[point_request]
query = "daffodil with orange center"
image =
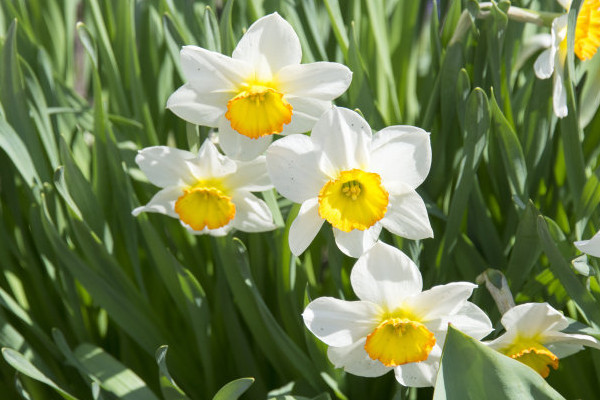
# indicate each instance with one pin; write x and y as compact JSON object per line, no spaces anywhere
{"x":587,"y":41}
{"x":357,"y":181}
{"x":208,"y":192}
{"x":261,"y":90}
{"x":395,"y":325}
{"x":534,"y":337}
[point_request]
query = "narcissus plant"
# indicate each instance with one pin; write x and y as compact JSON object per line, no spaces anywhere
{"x":356,"y":181}
{"x":533,"y":336}
{"x":395,"y":325}
{"x":261,"y":90}
{"x":208,"y":192}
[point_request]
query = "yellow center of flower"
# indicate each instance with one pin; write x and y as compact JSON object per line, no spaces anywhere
{"x":258,"y":111}
{"x":534,"y":355}
{"x":204,"y":205}
{"x":398,"y":341}
{"x":354,"y":200}
{"x":587,"y":30}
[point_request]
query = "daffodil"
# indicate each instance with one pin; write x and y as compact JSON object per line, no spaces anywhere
{"x":591,"y":246}
{"x":552,"y":60}
{"x":357,"y":181}
{"x":533,"y":336}
{"x":261,"y":90}
{"x":395,"y":325}
{"x":208,"y":192}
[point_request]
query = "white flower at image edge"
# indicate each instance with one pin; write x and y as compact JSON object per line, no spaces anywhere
{"x":395,"y":325}
{"x":551,"y":62}
{"x":591,"y":246}
{"x":533,"y":336}
{"x":208,"y":192}
{"x":261,"y":90}
{"x":357,"y":181}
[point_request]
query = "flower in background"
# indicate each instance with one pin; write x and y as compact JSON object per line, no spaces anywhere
{"x":394,"y":325}
{"x":357,"y":181}
{"x":591,"y":246}
{"x":207,"y":192}
{"x":533,"y":336}
{"x":552,"y":60}
{"x":261,"y":90}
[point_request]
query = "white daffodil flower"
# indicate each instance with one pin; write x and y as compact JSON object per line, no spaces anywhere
{"x":591,"y":246}
{"x":394,"y":325}
{"x":551,"y":61}
{"x":261,"y":90}
{"x":533,"y":336}
{"x":208,"y":192}
{"x":357,"y":181}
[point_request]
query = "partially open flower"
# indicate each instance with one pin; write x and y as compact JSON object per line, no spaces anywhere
{"x":357,"y":181}
{"x":207,"y":192}
{"x":261,"y":90}
{"x":587,"y":40}
{"x":394,"y":325}
{"x":533,"y":336}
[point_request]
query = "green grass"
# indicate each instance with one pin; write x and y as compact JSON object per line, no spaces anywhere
{"x":89,"y":294}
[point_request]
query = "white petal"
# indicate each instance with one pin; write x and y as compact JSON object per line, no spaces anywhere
{"x":166,"y":166}
{"x":292,"y":165}
{"x":305,"y":113}
{"x":211,"y":164}
{"x":269,"y":45}
{"x":338,"y":322}
{"x":544,"y":64}
{"x":356,"y":242}
{"x":201,"y":109}
{"x":163,"y":202}
{"x":559,"y":30}
{"x":401,"y":154}
{"x":503,"y":341}
{"x":250,"y":175}
{"x":440,"y":301}
{"x":566,"y":4}
{"x":559,"y":95}
{"x":470,"y":320}
{"x":223,"y":231}
{"x":238,"y":146}
{"x":564,"y":344}
{"x":345,"y":138}
{"x":533,"y":318}
{"x":320,"y":80}
{"x":420,"y":374}
{"x":591,"y":247}
{"x":251,"y":213}
{"x":355,"y":360}
{"x":209,"y":71}
{"x":305,"y":227}
{"x":385,"y":275}
{"x":406,"y":216}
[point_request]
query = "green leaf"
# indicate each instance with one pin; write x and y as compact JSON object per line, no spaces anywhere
{"x":168,"y":387}
{"x":471,"y":370}
{"x":234,"y":389}
{"x":562,"y":269}
{"x":112,"y":376}
{"x":512,"y":153}
{"x":23,"y":365}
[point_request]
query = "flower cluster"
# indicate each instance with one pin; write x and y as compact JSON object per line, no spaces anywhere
{"x":358,"y":181}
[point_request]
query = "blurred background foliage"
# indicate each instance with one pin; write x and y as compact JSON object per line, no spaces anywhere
{"x":89,"y":295}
